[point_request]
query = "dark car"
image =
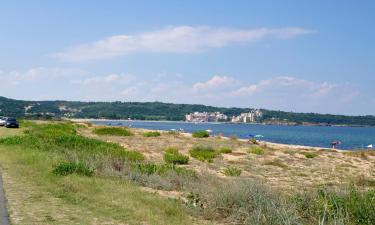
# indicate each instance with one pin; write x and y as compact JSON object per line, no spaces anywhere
{"x":11,"y":123}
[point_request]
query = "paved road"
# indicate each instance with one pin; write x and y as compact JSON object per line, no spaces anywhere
{"x":4,"y":218}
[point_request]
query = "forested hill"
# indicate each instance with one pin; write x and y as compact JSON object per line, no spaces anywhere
{"x":156,"y":111}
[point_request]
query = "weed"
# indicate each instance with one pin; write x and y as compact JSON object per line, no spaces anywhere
{"x":232,"y":171}
{"x":113,"y":131}
{"x":310,"y":155}
{"x":203,"y":153}
{"x":151,"y":134}
{"x":277,"y":163}
{"x":66,"y":168}
{"x":173,"y":156}
{"x":201,"y":134}
{"x":256,"y":150}
{"x":225,"y":150}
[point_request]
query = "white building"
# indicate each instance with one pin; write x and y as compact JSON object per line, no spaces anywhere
{"x":249,"y":117}
{"x":206,"y":117}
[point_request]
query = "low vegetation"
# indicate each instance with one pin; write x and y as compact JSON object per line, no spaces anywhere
{"x":201,"y":134}
{"x":203,"y":153}
{"x":113,"y":131}
{"x":173,"y":156}
{"x":232,"y":171}
{"x":225,"y":150}
{"x":310,"y":155}
{"x":256,"y":150}
{"x":77,"y":177}
{"x":151,"y":134}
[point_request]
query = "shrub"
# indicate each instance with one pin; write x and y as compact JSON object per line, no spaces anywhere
{"x":172,"y":156}
{"x":233,"y":137}
{"x":256,"y":150}
{"x":225,"y":150}
{"x":203,"y":153}
{"x":201,"y":134}
{"x":310,"y":155}
{"x":277,"y":163}
{"x":232,"y":171}
{"x":151,"y":134}
{"x":113,"y":131}
{"x":151,"y":168}
{"x":66,"y":168}
{"x":345,"y":207}
{"x":253,"y":141}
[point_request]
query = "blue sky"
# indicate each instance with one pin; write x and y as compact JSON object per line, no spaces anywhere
{"x":305,"y":56}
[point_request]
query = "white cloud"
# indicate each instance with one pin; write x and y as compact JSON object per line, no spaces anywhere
{"x":107,"y":79}
{"x":175,"y":39}
{"x":288,"y":84}
{"x":216,"y":82}
{"x":40,"y":73}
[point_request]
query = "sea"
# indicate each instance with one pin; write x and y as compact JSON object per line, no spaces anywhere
{"x":351,"y":138}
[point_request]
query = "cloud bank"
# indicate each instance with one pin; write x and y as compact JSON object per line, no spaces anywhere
{"x":173,"y":39}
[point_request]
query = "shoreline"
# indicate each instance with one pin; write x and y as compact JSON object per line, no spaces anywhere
{"x":268,"y":143}
{"x":255,"y":123}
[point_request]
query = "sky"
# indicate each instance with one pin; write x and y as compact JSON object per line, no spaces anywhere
{"x":301,"y":56}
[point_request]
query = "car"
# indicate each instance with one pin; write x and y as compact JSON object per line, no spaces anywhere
{"x":2,"y":120}
{"x":11,"y":123}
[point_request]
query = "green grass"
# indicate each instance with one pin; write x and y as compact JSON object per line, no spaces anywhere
{"x":113,"y":131}
{"x":277,"y":163}
{"x":203,"y":153}
{"x":151,"y":134}
{"x":225,"y":150}
{"x":201,"y":134}
{"x":232,"y":171}
{"x":310,"y":155}
{"x":67,"y":168}
{"x":256,"y":150}
{"x":36,"y":196}
{"x":173,"y":156}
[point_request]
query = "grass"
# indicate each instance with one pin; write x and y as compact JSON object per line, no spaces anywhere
{"x":30,"y":163}
{"x":173,"y":156}
{"x":113,"y":131}
{"x":109,"y":193}
{"x":151,"y":134}
{"x":36,"y":196}
{"x":225,"y":150}
{"x":257,"y":150}
{"x":203,"y":153}
{"x":310,"y":155}
{"x":232,"y":171}
{"x":277,"y":163}
{"x":201,"y":134}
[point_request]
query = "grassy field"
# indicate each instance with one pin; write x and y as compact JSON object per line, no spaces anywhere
{"x":66,"y":173}
{"x":36,"y":196}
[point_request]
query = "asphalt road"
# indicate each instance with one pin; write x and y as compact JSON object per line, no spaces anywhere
{"x":4,"y":217}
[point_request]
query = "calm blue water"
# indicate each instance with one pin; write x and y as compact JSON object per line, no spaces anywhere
{"x":351,"y":137}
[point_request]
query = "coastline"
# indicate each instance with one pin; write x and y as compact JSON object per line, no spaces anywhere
{"x":267,"y":143}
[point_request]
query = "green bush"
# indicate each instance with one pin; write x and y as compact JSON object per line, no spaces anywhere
{"x":201,"y":134}
{"x":232,"y":171}
{"x":203,"y":153}
{"x":225,"y":150}
{"x":256,"y":150}
{"x":66,"y":168}
{"x":172,"y":156}
{"x":351,"y":206}
{"x":113,"y":131}
{"x":310,"y":155}
{"x":151,"y":134}
{"x":151,"y":168}
{"x":253,"y":141}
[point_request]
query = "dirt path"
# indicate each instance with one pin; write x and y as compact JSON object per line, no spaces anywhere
{"x":4,"y":217}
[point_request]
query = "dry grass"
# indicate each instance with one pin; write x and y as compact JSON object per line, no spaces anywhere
{"x":283,"y":167}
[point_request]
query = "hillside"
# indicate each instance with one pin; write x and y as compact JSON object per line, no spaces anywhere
{"x":158,"y":111}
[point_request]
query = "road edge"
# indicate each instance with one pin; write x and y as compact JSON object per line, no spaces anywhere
{"x":4,"y":216}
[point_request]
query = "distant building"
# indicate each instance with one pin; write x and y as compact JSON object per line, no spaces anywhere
{"x":206,"y":117}
{"x":250,"y":117}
